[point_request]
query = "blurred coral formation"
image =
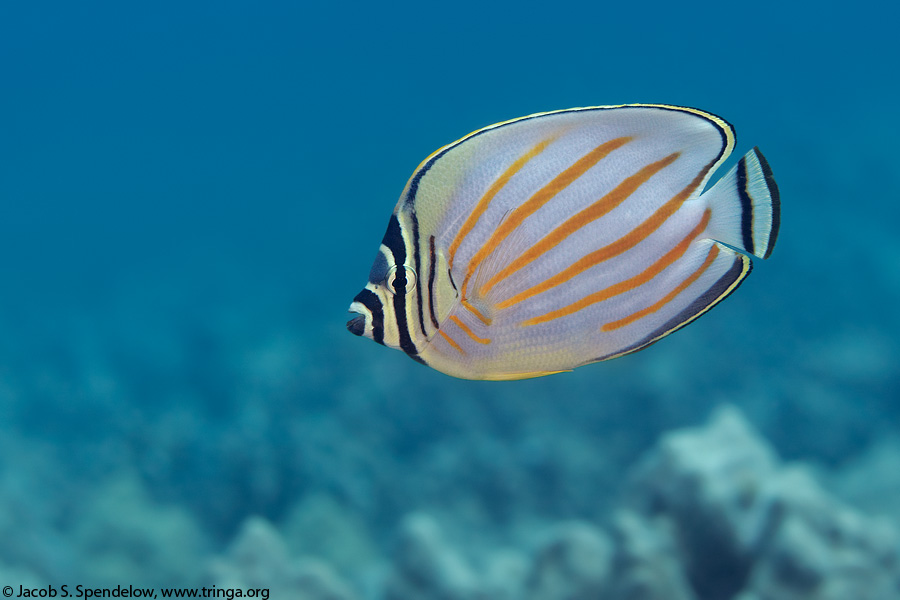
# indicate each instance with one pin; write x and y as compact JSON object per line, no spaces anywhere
{"x":707,"y":512}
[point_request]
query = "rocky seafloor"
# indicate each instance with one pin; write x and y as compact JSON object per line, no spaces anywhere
{"x":708,"y":512}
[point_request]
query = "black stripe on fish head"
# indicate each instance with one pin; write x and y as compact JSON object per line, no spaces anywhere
{"x":371,"y":324}
{"x":379,"y":271}
{"x":393,"y":240}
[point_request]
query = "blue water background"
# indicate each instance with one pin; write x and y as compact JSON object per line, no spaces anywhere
{"x":192,"y":193}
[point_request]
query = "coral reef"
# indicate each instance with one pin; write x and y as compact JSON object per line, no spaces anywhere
{"x":573,"y":561}
{"x":320,"y":526}
{"x":871,"y":480}
{"x":425,"y":567}
{"x":259,"y":559}
{"x":710,"y":513}
{"x":122,"y":535}
{"x":647,"y":563}
{"x":750,"y":527}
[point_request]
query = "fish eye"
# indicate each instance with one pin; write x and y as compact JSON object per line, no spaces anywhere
{"x":391,"y":280}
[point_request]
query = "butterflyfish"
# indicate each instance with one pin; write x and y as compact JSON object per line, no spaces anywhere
{"x":547,"y":242}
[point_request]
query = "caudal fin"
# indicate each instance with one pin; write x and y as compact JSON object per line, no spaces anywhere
{"x":746,"y":209}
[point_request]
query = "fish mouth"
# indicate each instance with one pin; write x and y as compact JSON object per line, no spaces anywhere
{"x":357,"y":325}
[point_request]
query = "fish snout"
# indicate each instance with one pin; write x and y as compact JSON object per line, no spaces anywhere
{"x":357,"y":325}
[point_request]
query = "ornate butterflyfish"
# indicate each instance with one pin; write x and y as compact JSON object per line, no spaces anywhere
{"x":540,"y":244}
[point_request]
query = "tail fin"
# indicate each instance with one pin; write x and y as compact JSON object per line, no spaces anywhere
{"x":746,"y":209}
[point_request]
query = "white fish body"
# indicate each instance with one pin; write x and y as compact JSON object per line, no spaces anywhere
{"x":544,"y":243}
